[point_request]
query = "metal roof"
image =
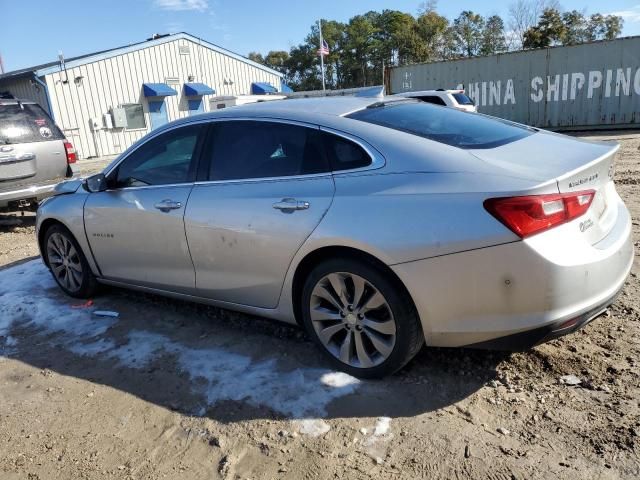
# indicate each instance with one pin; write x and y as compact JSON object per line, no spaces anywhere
{"x":52,"y":67}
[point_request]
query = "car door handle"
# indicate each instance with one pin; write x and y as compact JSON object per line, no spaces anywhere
{"x":166,"y":205}
{"x":291,"y":204}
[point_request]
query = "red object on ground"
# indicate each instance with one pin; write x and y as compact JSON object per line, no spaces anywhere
{"x":86,"y":304}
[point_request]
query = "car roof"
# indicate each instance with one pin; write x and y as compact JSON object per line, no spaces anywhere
{"x":336,"y":106}
{"x":319,"y":110}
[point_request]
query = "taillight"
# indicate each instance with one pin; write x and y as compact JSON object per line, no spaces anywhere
{"x":526,"y":216}
{"x":71,"y":152}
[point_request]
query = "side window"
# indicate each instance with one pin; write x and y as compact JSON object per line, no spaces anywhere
{"x":251,"y":149}
{"x":433,"y":99}
{"x":167,"y":159}
{"x":344,"y":154}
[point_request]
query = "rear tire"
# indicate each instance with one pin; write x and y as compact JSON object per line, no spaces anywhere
{"x":360,"y":317}
{"x":67,"y":263}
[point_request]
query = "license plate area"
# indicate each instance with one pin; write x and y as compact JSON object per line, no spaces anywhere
{"x":12,"y":169}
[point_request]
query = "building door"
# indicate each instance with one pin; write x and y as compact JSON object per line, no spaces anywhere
{"x":158,"y":112}
{"x":196,"y":106}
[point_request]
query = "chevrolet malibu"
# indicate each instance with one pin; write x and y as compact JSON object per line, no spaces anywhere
{"x":378,"y":225}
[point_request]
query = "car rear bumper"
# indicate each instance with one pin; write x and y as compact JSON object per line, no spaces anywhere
{"x":519,"y":294}
{"x":522,"y":341}
{"x":36,"y":192}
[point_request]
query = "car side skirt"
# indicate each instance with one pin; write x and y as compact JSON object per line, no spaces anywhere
{"x":274,"y":314}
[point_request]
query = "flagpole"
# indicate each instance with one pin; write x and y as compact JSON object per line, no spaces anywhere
{"x":321,"y":55}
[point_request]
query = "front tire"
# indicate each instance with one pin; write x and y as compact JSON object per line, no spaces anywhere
{"x":67,"y":263}
{"x":360,"y":317}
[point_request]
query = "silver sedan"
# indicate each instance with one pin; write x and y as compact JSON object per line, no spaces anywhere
{"x":377,"y":225}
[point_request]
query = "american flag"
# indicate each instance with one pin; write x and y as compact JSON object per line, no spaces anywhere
{"x":324,"y":48}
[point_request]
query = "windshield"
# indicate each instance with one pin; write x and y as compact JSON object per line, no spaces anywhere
{"x":26,"y":123}
{"x":449,"y":126}
{"x":462,"y":99}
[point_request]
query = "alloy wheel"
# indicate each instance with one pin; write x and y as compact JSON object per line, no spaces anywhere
{"x":64,"y":262}
{"x":352,"y":319}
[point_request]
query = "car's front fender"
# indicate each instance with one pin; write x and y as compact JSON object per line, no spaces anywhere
{"x":68,"y":210}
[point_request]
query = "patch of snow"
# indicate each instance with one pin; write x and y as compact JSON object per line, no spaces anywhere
{"x":5,"y":323}
{"x":91,"y":348}
{"x":338,"y":379}
{"x":29,"y":297}
{"x":143,"y":347}
{"x":10,"y":341}
{"x":313,"y":427}
{"x":24,"y":298}
{"x":380,"y":432}
{"x":383,"y":424}
{"x":571,"y":380}
{"x":224,"y":375}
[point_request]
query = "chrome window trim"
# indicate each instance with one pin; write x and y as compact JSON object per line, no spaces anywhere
{"x":377,"y":160}
{"x":148,"y":187}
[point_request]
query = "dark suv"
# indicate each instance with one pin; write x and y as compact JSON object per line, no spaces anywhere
{"x":34,"y":154}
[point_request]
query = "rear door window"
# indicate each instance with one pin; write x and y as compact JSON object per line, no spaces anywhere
{"x":444,"y":125}
{"x":26,"y":123}
{"x":254,"y":149}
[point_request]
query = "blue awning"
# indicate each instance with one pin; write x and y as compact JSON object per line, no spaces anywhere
{"x":286,"y":88}
{"x":158,"y":90}
{"x":197,"y":89}
{"x":262,"y":88}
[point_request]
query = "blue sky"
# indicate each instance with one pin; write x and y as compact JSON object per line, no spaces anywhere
{"x":81,"y":26}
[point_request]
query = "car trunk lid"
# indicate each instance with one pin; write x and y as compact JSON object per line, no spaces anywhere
{"x":574,"y":165}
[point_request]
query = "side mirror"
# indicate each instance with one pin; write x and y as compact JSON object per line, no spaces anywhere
{"x":96,"y":183}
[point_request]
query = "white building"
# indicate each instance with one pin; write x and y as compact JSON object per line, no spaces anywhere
{"x":105,"y":101}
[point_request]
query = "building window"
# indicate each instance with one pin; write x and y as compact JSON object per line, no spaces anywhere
{"x":135,"y":116}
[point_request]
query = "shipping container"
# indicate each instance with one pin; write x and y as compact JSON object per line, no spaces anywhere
{"x":593,"y":85}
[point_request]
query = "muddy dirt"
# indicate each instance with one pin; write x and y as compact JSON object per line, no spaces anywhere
{"x":175,"y":390}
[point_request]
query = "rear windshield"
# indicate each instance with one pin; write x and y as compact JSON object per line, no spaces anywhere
{"x":26,"y":123}
{"x":462,"y":99}
{"x":444,"y":125}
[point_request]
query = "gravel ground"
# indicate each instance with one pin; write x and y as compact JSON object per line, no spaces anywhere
{"x":174,"y":390}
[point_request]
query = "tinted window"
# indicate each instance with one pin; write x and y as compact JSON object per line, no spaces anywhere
{"x":245,"y":149}
{"x":344,"y":154}
{"x":433,"y":99}
{"x":166,"y":159}
{"x":25,"y":123}
{"x":444,"y":125}
{"x":462,"y":99}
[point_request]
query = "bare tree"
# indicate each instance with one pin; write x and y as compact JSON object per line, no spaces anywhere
{"x":524,"y":14}
{"x":427,"y":6}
